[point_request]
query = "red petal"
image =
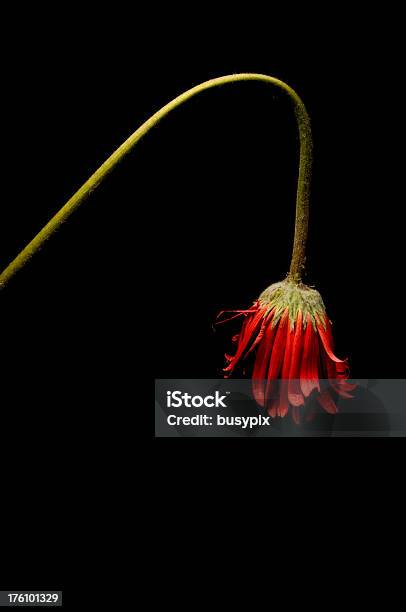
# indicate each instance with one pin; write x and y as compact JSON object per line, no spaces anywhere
{"x":248,"y":330}
{"x":326,"y":338}
{"x":337,"y":369}
{"x":288,"y":351}
{"x":264,"y":325}
{"x":253,"y":308}
{"x":309,"y":373}
{"x":335,"y":385}
{"x":287,"y":360}
{"x":343,"y":385}
{"x":296,"y":414}
{"x":278,"y":352}
{"x":229,"y":318}
{"x":294,"y":393}
{"x":311,"y":413}
{"x":326,"y":401}
{"x":272,"y":409}
{"x":261,"y":364}
{"x":329,"y":331}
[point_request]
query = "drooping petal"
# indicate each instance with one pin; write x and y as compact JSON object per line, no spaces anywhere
{"x":277,"y":354}
{"x":337,"y":369}
{"x":294,"y":392}
{"x":267,"y":317}
{"x":338,"y":389}
{"x":329,"y":367}
{"x":309,"y":373}
{"x":329,"y":331}
{"x":261,"y":364}
{"x":326,"y":401}
{"x":287,"y":360}
{"x":273,"y":408}
{"x":316,"y":371}
{"x":245,"y":312}
{"x":337,"y":379}
{"x":326,"y":338}
{"x":344,"y":385}
{"x":306,"y":351}
{"x":249,"y":328}
{"x":310,"y":414}
{"x":235,"y":316}
{"x":296,"y":414}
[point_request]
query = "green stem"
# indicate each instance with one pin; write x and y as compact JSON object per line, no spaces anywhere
{"x":302,"y":200}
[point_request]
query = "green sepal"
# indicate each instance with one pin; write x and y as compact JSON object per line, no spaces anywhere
{"x":295,"y":297}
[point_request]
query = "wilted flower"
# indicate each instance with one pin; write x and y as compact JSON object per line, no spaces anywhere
{"x":289,"y":334}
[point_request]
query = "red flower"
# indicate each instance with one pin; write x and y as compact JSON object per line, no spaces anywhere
{"x":289,"y":334}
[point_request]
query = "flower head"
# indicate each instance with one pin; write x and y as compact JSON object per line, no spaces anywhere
{"x":289,"y":336}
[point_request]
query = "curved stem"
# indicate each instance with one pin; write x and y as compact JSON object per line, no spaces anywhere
{"x":303,"y":187}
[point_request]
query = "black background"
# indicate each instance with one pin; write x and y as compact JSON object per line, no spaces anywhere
{"x":199,"y":218}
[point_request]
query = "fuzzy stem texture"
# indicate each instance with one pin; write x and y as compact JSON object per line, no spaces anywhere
{"x":303,"y":187}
